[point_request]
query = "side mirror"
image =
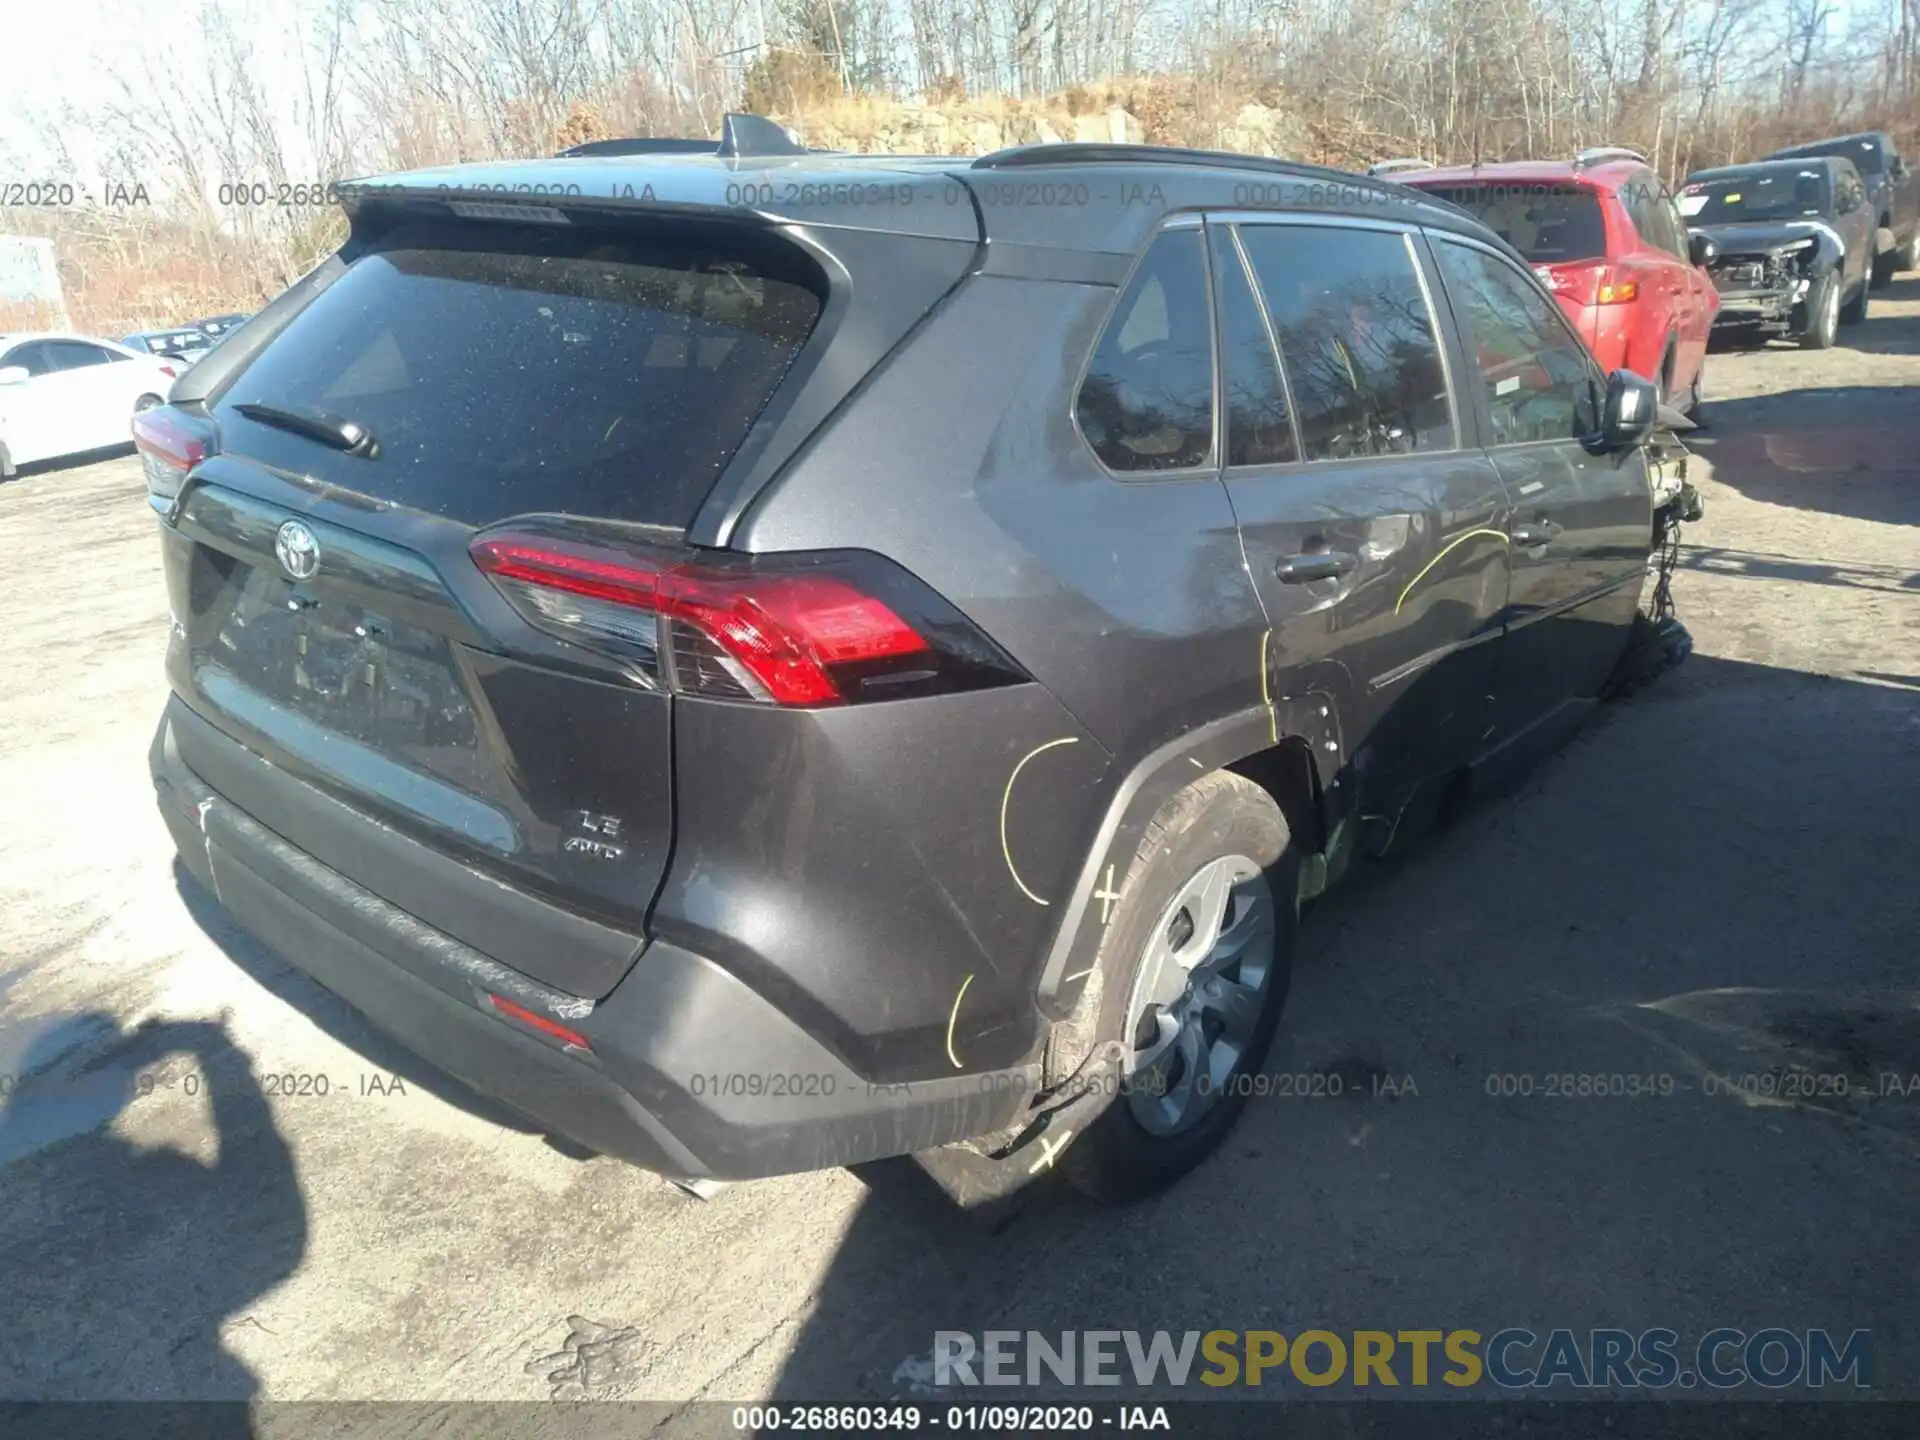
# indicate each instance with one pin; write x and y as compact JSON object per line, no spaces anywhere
{"x":1631,"y":409}
{"x":14,"y":375}
{"x":1701,"y":249}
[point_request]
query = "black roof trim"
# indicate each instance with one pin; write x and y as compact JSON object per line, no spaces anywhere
{"x":1069,"y":152}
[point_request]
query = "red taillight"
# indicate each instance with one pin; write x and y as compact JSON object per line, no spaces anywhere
{"x":170,"y":372}
{"x":168,"y":435}
{"x":170,"y":445}
{"x":540,"y":1022}
{"x":782,"y":638}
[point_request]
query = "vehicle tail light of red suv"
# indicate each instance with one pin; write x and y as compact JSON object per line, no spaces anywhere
{"x":1590,"y":282}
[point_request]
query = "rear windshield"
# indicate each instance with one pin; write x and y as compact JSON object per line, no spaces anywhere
{"x":506,"y":369}
{"x":1867,"y":156}
{"x":1549,"y":224}
{"x":1779,"y":193}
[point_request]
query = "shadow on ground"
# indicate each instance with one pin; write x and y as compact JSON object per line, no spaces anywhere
{"x":1844,"y":450}
{"x":183,"y":1237}
{"x":1706,"y":903}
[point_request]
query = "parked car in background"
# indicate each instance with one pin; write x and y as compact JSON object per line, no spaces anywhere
{"x":185,"y":344}
{"x":1893,"y":195}
{"x":787,"y":719}
{"x":1602,"y":232}
{"x":66,"y":394}
{"x":1794,"y":242}
{"x":219,"y":325}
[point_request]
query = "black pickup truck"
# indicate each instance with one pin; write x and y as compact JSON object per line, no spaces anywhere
{"x":1893,"y":190}
{"x":1792,"y":245}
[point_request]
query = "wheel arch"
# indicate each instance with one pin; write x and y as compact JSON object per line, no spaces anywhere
{"x":1291,"y":751}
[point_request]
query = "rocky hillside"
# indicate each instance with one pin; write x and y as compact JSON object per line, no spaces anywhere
{"x":993,"y":123}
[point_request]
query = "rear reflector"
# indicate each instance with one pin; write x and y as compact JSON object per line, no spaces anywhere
{"x":540,"y":1022}
{"x":794,"y":630}
{"x":170,"y":444}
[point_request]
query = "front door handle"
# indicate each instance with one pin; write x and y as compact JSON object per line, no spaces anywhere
{"x":1541,"y":532}
{"x":1314,"y":565}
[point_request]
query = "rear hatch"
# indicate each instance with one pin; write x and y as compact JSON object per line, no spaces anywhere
{"x":1557,"y":226}
{"x":332,"y":619}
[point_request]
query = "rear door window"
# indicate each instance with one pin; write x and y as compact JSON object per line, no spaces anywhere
{"x":503,"y":370}
{"x":1549,"y":224}
{"x":1147,"y":401}
{"x":1259,"y":427}
{"x":1357,"y":339}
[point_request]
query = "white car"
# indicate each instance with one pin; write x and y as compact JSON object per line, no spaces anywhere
{"x":67,"y":394}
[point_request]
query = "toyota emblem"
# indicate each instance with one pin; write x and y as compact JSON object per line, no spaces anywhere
{"x":298,"y":549}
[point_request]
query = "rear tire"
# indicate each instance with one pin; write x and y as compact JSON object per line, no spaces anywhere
{"x":1885,"y":265}
{"x":1194,"y":970}
{"x":1908,"y":255}
{"x":1822,"y":314}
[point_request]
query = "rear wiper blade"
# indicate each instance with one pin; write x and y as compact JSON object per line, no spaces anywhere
{"x":316,"y":424}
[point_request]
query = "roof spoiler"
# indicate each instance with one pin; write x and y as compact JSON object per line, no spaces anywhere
{"x":1399,"y":167}
{"x":742,"y":137}
{"x":1596,"y":154}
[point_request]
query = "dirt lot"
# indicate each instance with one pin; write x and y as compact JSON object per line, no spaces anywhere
{"x":1720,"y":876}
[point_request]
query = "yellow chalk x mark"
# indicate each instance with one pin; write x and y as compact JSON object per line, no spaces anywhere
{"x":1106,"y":896}
{"x":951,"y":1019}
{"x":1006,"y":796}
{"x":1049,"y":1149}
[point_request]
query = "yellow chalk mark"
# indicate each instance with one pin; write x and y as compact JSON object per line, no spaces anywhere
{"x":1266,"y":694}
{"x":1445,"y":551}
{"x":1006,"y":795}
{"x":1049,"y":1149}
{"x":951,"y":1019}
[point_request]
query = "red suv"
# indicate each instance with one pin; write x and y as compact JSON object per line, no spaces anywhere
{"x":1603,"y":233}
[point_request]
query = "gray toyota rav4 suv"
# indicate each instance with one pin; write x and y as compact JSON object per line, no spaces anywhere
{"x":765,"y":660}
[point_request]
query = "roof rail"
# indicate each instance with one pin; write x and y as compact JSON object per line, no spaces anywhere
{"x":742,"y":137}
{"x":1594,"y":155}
{"x":1073,"y":152}
{"x":1397,"y":167}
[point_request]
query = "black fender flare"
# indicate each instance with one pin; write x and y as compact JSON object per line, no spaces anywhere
{"x":1159,"y":776}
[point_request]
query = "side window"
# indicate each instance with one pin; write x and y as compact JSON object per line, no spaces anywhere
{"x":1536,"y":376}
{"x":72,"y":355}
{"x":1356,"y":338}
{"x":32,"y":357}
{"x":1147,"y":401}
{"x":1259,"y":429}
{"x":1663,"y":231}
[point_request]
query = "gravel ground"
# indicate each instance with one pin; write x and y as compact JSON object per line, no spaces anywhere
{"x":1719,"y":876}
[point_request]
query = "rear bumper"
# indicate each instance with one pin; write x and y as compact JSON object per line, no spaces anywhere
{"x":692,"y":1073}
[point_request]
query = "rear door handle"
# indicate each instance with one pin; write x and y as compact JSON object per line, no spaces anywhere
{"x":1541,"y":532}
{"x":1314,"y":565}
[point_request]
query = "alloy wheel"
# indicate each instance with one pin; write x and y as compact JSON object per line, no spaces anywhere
{"x":1198,"y":995}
